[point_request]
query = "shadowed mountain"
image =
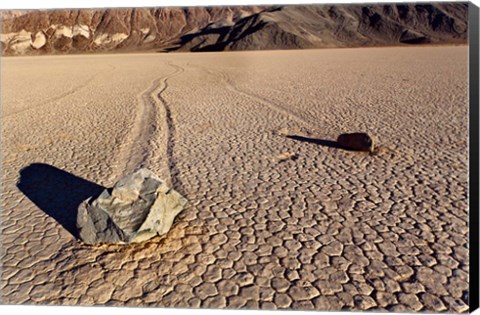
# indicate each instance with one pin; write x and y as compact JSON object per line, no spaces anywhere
{"x":323,"y":26}
{"x":232,"y":28}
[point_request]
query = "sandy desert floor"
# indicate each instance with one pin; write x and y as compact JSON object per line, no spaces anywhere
{"x":329,"y":230}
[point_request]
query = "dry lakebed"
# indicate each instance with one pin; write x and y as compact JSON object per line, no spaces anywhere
{"x":277,"y":215}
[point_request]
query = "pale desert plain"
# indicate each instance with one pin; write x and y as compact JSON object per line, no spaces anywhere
{"x":272,"y":222}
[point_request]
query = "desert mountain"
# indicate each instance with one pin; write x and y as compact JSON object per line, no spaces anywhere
{"x":231,"y":28}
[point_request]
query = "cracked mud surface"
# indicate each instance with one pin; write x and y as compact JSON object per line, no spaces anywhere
{"x":326,"y":230}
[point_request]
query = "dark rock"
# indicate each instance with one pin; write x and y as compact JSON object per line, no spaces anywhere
{"x":139,"y":207}
{"x":356,"y":141}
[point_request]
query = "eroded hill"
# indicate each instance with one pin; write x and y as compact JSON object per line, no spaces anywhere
{"x":231,"y":28}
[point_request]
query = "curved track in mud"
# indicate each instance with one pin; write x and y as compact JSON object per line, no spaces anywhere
{"x":150,"y":136}
{"x":65,"y":94}
{"x":271,"y":105}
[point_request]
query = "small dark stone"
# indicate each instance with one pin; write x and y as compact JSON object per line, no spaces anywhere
{"x":358,"y":141}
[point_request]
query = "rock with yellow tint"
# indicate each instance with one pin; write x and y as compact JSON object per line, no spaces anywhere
{"x":139,"y":207}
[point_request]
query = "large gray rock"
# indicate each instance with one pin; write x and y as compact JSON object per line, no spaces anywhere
{"x":358,"y":141}
{"x":139,"y":207}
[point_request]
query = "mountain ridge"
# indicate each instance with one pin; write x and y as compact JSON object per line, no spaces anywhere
{"x":230,"y":28}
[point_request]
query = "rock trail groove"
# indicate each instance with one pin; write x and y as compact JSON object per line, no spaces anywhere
{"x":151,"y":136}
{"x":272,"y":105}
{"x":65,"y":94}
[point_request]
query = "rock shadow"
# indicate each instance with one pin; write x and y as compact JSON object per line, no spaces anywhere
{"x":58,"y":193}
{"x":322,"y":142}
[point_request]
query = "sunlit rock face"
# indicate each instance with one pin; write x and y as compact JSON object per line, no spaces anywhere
{"x":139,"y":207}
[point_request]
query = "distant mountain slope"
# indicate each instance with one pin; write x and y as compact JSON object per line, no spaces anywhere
{"x":231,"y":28}
{"x":97,"y":30}
{"x":317,"y":26}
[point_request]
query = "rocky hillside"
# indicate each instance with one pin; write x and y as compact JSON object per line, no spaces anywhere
{"x":231,"y":28}
{"x":95,"y":30}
